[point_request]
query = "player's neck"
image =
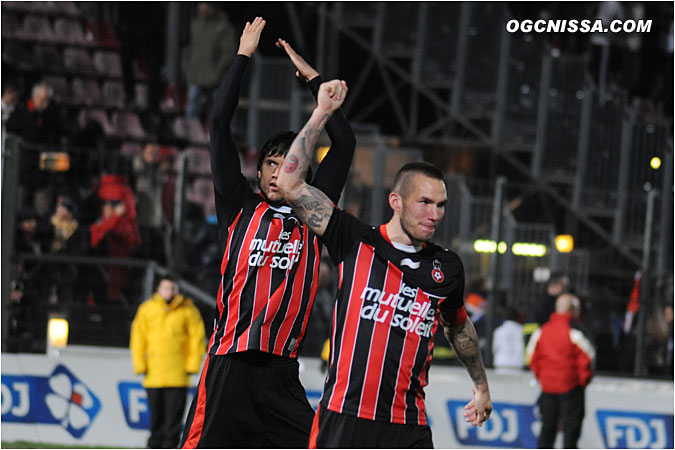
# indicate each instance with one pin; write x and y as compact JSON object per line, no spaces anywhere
{"x":397,"y":234}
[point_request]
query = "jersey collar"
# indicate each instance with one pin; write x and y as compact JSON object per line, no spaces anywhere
{"x":402,"y":247}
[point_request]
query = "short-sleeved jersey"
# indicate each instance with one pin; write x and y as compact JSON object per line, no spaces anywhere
{"x":386,"y":313}
{"x":269,"y":280}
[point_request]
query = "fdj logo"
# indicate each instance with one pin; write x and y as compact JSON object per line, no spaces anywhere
{"x":134,"y":400}
{"x":509,"y":425}
{"x":621,"y":429}
{"x":60,"y":398}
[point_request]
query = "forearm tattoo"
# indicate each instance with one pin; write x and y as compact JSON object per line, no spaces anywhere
{"x":300,"y":158}
{"x":313,"y":207}
{"x":465,"y":342}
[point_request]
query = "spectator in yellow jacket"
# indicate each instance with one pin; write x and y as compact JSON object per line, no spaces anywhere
{"x":167,"y":345}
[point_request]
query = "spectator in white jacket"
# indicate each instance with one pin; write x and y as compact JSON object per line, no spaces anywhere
{"x":508,"y":345}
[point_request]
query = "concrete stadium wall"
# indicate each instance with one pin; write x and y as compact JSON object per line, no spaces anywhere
{"x":89,"y":396}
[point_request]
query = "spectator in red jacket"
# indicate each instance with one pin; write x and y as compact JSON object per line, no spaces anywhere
{"x":562,"y":359}
{"x":117,"y":227}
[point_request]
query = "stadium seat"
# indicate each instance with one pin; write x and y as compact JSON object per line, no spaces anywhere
{"x":61,"y":89}
{"x":86,"y":91}
{"x":69,"y":31}
{"x":98,"y":32}
{"x":108,"y":63}
{"x":66,"y":8}
{"x":38,"y":28}
{"x":10,"y":26}
{"x":113,"y":94}
{"x":129,"y":125}
{"x":199,"y":160}
{"x":18,"y":55}
{"x":179,"y":128}
{"x":131,"y":148}
{"x":77,"y":60}
{"x":141,"y":95}
{"x":48,"y":57}
{"x":195,"y":131}
{"x":201,"y":191}
{"x":102,"y":117}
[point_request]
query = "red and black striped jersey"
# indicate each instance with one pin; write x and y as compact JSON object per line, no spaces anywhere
{"x":270,"y":259}
{"x":387,"y":310}
{"x":269,"y":277}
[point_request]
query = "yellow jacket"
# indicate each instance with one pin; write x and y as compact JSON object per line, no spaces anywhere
{"x":167,"y":341}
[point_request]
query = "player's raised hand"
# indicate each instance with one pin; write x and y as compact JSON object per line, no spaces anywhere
{"x":248,"y":42}
{"x":331,"y":95}
{"x":304,"y":70}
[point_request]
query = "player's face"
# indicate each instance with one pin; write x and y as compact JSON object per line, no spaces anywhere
{"x":267,"y":175}
{"x":423,"y":208}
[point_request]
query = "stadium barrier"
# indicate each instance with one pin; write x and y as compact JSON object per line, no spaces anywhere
{"x":89,"y":396}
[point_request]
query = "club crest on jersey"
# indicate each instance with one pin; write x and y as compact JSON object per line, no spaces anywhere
{"x":437,"y":273}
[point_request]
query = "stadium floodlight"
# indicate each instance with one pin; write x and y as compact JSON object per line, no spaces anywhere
{"x":57,"y":335}
{"x":528,"y":249}
{"x":489,"y":246}
{"x":564,"y":243}
{"x":484,"y":246}
{"x":655,"y":163}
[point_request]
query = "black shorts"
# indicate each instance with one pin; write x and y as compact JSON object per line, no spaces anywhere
{"x":248,"y":400}
{"x":335,"y":430}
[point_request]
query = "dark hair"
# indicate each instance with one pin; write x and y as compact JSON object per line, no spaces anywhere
{"x":71,"y":206}
{"x":27,"y":213}
{"x":278,"y":145}
{"x":169,"y":277}
{"x":411,"y":168}
{"x":11,"y":85}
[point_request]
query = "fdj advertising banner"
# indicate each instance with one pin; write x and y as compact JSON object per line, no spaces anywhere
{"x":134,"y":402}
{"x":93,"y":398}
{"x":60,"y":398}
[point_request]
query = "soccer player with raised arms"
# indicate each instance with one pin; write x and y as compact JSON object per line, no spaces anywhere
{"x":395,"y":288}
{"x":249,"y":392}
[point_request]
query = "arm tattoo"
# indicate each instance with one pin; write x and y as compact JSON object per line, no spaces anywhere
{"x":313,"y":207}
{"x":291,"y":164}
{"x":465,"y":342}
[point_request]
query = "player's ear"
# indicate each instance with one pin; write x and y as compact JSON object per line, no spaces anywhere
{"x":259,"y":175}
{"x":395,"y":201}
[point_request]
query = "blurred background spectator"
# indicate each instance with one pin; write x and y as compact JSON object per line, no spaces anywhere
{"x":115,"y":234}
{"x":508,"y":344}
{"x":207,"y":55}
{"x":148,"y":185}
